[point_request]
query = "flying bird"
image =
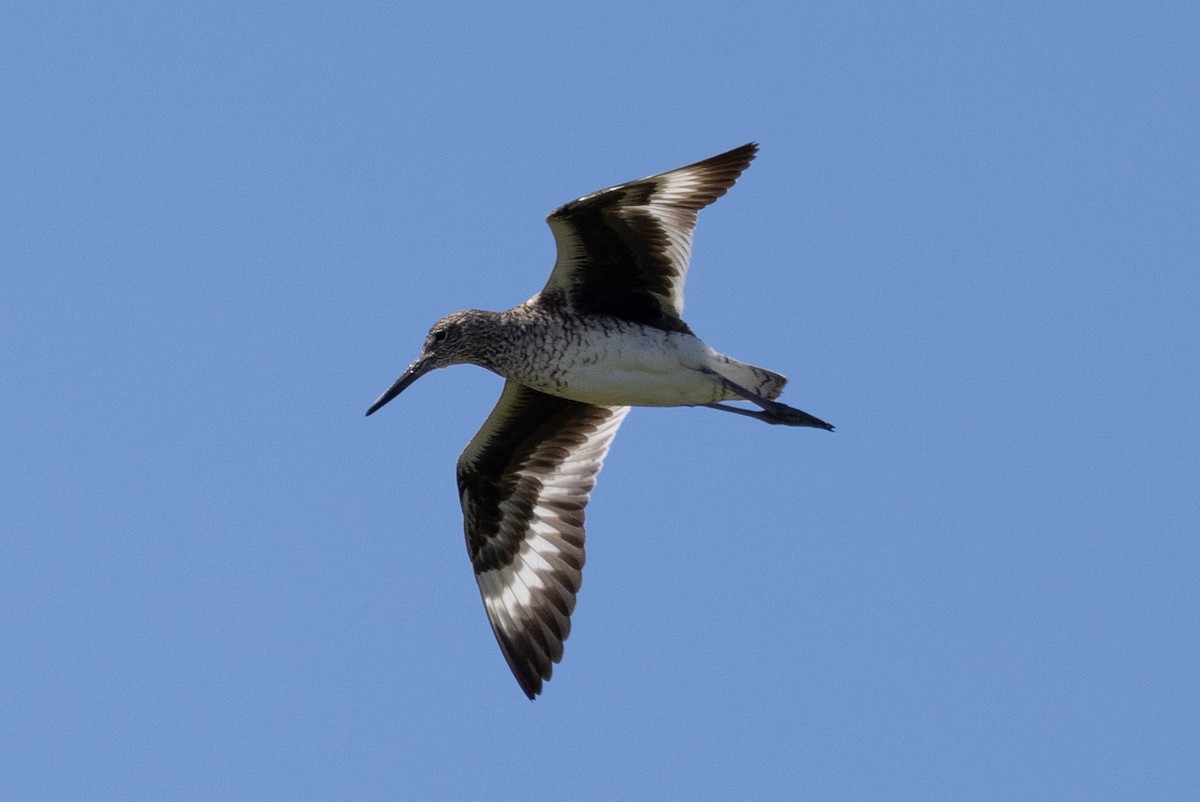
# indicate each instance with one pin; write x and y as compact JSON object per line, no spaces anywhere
{"x":605,"y":334}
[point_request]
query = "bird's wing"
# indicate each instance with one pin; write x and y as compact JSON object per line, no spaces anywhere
{"x":524,"y":481}
{"x":624,"y":251}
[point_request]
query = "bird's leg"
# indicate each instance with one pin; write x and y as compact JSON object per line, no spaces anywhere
{"x":772,"y":411}
{"x":779,"y":414}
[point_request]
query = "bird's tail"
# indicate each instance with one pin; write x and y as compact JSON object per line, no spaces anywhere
{"x":760,"y":381}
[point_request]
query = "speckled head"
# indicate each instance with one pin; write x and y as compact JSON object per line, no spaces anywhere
{"x":458,"y":338}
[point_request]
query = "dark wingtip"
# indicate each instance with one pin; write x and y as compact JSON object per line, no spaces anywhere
{"x":531,"y":687}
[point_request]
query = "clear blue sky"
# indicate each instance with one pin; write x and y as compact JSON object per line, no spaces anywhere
{"x":971,"y":240}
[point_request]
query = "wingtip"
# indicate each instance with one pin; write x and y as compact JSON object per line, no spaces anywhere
{"x":530,"y":686}
{"x":747,"y":151}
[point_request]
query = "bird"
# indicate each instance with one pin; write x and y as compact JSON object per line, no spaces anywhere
{"x":604,"y":334}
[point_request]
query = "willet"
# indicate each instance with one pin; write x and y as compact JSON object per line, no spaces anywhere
{"x":604,"y":334}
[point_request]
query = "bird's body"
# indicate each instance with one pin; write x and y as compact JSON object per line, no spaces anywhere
{"x":604,"y":360}
{"x":604,"y":334}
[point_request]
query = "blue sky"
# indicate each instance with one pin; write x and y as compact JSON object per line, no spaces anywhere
{"x":970,"y":239}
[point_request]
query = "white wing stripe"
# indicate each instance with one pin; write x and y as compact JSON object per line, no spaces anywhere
{"x":529,"y":599}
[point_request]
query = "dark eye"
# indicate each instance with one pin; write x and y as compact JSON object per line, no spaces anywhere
{"x":439,"y":335}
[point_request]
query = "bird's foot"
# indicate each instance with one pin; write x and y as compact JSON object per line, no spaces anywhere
{"x":776,"y":414}
{"x":771,"y":412}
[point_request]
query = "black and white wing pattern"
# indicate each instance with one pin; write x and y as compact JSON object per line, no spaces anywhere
{"x":624,"y":251}
{"x":524,"y":480}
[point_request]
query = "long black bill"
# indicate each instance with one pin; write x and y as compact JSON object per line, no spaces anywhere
{"x":415,"y":371}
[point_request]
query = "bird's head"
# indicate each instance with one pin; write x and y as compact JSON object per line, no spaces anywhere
{"x":456,"y":339}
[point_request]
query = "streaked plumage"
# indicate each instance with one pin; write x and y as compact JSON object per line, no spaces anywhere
{"x":604,"y":334}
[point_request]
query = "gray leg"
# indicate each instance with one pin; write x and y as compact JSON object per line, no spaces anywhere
{"x":772,"y":411}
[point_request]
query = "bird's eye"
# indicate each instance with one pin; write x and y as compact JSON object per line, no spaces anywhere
{"x":439,"y":335}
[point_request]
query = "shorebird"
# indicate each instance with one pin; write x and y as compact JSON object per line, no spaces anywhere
{"x":605,"y":334}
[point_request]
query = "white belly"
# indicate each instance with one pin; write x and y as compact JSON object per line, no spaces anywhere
{"x":641,"y":367}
